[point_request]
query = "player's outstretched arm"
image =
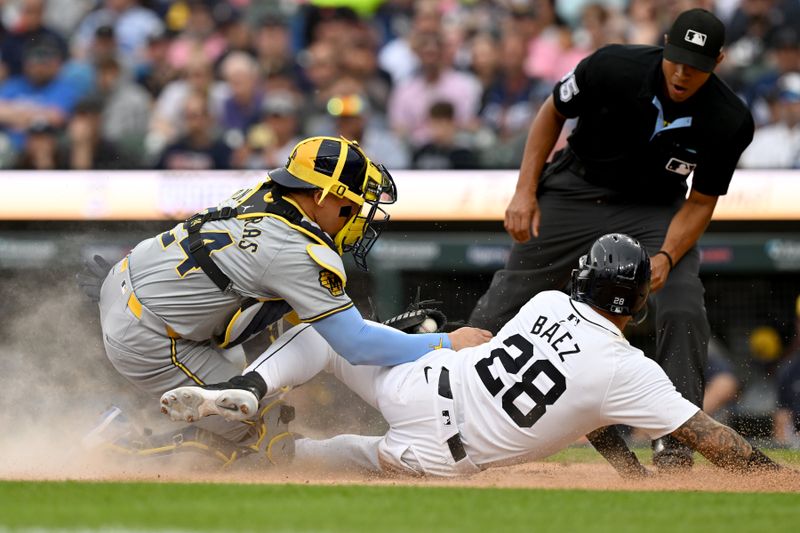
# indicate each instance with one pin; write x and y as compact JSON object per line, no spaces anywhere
{"x":722,"y":446}
{"x":610,"y":444}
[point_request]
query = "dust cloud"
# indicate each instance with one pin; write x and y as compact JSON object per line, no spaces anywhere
{"x":55,"y":382}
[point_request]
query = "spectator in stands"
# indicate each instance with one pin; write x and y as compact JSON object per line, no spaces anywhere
{"x":484,"y":58}
{"x":234,"y":29}
{"x":553,"y":51}
{"x":28,"y":28}
{"x":40,"y":94}
{"x":126,"y":106}
{"x":782,"y":57}
{"x":40,"y":151}
{"x":166,"y":122}
{"x":321,"y":69}
{"x":445,"y":150}
{"x":755,"y":409}
{"x":777,"y":145}
{"x":241,"y":109}
{"x":722,"y":385}
{"x":86,"y":146}
{"x":352,"y":119}
{"x":200,"y":148}
{"x":512,"y":98}
{"x":436,"y":81}
{"x":270,"y":142}
{"x":787,"y":416}
{"x":360,"y":60}
{"x":154,"y":72}
{"x":63,"y":16}
{"x":397,"y":57}
{"x":273,"y":47}
{"x":328,"y":23}
{"x":132,"y":25}
{"x":643,"y":26}
{"x":199,"y":36}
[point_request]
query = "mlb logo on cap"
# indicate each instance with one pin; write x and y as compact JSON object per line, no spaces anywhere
{"x":695,"y":37}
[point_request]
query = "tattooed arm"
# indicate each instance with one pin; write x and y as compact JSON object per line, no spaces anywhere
{"x":721,"y":445}
{"x":609,"y":443}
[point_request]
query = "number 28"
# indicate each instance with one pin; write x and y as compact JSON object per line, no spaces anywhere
{"x":513,"y":365}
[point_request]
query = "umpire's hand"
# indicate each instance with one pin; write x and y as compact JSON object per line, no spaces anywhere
{"x":659,"y":270}
{"x":522,"y":216}
{"x":468,"y":336}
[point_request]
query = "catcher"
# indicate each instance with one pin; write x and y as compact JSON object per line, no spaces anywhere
{"x":559,"y":369}
{"x":273,"y":251}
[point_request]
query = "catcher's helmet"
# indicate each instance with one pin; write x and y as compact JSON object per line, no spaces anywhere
{"x":341,"y":168}
{"x":613,"y":276}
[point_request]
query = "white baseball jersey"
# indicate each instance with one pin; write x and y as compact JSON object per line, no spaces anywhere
{"x":555,"y":372}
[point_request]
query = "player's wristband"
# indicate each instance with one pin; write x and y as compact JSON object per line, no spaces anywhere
{"x":669,"y":258}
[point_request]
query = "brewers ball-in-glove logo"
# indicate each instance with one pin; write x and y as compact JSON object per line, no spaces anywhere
{"x":332,"y":282}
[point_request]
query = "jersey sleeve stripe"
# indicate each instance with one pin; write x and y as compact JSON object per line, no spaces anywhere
{"x":320,"y":316}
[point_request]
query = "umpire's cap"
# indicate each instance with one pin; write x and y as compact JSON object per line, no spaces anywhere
{"x":695,"y":39}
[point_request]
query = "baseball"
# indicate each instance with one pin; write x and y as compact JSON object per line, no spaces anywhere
{"x":428,"y":325}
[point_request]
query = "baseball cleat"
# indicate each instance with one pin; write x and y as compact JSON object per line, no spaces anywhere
{"x":190,"y":404}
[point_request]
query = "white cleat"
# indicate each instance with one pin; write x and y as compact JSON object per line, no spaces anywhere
{"x":190,"y":404}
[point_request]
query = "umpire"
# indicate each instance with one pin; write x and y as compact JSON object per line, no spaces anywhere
{"x":648,"y":117}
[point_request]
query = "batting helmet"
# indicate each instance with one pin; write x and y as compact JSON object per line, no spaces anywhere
{"x":341,"y":168}
{"x":613,"y":276}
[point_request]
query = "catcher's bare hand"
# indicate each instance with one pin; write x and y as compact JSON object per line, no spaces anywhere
{"x":522,"y":217}
{"x":468,"y":336}
{"x":659,"y":270}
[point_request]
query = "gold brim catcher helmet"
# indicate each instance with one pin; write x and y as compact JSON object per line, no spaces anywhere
{"x":340,"y":167}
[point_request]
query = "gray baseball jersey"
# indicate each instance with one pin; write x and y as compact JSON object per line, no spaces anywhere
{"x":267,"y":258}
{"x":165,"y":321}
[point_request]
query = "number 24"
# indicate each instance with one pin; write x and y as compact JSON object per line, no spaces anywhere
{"x":214,"y":241}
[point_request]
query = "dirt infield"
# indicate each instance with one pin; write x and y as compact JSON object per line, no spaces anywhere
{"x":545,"y":475}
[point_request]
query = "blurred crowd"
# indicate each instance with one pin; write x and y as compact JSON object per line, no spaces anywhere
{"x":756,"y":388}
{"x":426,"y":84}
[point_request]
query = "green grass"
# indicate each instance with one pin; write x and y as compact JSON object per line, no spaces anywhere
{"x":382,"y":509}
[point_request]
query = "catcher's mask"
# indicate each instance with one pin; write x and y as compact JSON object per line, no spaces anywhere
{"x":341,"y":168}
{"x":613,"y":276}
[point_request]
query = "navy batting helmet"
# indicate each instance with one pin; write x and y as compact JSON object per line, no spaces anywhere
{"x":613,"y":276}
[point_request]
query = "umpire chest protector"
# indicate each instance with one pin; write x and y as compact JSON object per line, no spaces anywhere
{"x":632,"y":138}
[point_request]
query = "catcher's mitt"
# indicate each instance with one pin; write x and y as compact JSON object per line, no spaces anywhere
{"x":420,"y":317}
{"x":422,"y":320}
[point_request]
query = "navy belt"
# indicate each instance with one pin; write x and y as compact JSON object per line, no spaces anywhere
{"x":454,"y":442}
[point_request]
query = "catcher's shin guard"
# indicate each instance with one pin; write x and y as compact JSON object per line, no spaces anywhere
{"x":275,"y":442}
{"x":119,"y":438}
{"x":193,"y":439}
{"x":188,"y":440}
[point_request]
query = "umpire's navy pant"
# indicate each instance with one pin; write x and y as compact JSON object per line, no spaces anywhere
{"x":574,"y":213}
